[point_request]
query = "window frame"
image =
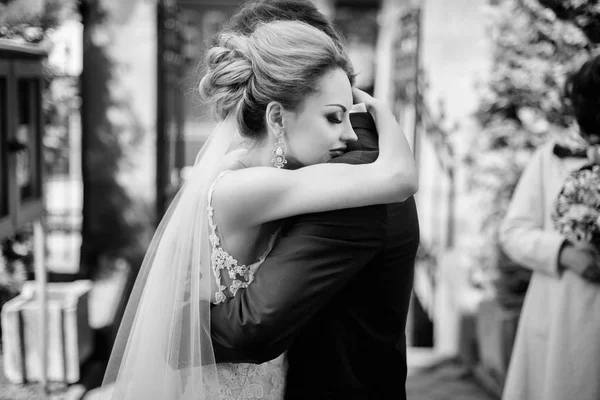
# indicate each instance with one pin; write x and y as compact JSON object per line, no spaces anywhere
{"x":30,"y":209}
{"x":21,"y":61}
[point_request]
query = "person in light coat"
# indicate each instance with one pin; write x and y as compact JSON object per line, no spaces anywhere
{"x":556,"y":355}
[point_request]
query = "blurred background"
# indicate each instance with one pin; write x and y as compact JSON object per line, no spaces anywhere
{"x":99,"y":122}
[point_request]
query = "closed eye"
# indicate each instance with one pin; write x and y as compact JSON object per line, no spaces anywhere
{"x":333,"y":118}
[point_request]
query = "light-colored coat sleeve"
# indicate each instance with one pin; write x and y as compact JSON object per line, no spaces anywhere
{"x":524,"y":234}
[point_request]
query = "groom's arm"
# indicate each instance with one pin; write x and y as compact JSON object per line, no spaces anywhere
{"x":312,"y":261}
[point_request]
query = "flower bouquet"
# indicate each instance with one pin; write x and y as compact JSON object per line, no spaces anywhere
{"x":577,"y":209}
{"x":572,"y":301}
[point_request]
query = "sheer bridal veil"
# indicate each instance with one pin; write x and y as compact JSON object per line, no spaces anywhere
{"x":163,"y":349}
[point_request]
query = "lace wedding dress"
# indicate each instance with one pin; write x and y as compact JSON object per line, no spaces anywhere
{"x":242,"y":381}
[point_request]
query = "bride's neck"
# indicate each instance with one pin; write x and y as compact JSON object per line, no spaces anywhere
{"x":257,"y":153}
{"x":260,"y":154}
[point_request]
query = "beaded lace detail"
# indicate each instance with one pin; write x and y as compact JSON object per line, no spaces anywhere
{"x":240,"y":275}
{"x":242,"y":381}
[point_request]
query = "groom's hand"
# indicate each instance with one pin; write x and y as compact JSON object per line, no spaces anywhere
{"x":362,"y":97}
{"x":377,"y":108}
{"x":358,"y":108}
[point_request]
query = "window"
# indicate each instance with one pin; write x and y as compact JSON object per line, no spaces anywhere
{"x":27,"y":131}
{"x":21,"y":77}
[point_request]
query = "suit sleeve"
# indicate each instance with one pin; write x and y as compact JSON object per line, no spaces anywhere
{"x":315,"y":257}
{"x":522,"y":233}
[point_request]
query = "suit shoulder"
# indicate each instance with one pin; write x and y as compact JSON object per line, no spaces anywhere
{"x":371,"y":220}
{"x":356,"y":157}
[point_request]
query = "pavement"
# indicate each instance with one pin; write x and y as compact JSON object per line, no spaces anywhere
{"x":30,"y":391}
{"x":432,"y":376}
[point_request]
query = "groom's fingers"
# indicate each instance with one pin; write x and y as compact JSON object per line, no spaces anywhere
{"x":357,"y":108}
{"x":361,"y":97}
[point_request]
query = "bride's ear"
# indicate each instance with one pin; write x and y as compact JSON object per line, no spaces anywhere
{"x":274,"y":115}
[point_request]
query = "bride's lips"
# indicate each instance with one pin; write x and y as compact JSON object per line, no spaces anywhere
{"x":337,"y":152}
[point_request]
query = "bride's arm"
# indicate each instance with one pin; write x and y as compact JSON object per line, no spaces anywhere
{"x":270,"y":194}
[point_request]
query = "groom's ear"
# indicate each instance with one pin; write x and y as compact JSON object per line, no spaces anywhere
{"x":274,"y":116}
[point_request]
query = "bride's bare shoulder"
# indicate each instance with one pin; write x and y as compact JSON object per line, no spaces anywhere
{"x":232,"y":161}
{"x":226,"y":200}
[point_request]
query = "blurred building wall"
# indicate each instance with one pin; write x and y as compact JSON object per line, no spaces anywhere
{"x":202,"y":19}
{"x":131,"y":103}
{"x":435,"y":108}
{"x":134,"y":49}
{"x":455,"y":56}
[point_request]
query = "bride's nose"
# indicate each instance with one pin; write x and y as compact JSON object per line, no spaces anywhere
{"x":349,"y":135}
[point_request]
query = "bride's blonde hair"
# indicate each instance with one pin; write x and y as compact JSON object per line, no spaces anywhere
{"x":281,"y":61}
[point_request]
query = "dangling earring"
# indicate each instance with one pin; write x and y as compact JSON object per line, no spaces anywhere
{"x":279,"y":152}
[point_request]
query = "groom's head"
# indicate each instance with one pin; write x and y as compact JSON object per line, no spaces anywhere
{"x":255,"y":12}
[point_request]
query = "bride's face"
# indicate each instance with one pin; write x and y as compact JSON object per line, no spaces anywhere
{"x":321,"y":128}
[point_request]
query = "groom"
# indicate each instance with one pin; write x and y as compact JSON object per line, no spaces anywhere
{"x":334,"y":291}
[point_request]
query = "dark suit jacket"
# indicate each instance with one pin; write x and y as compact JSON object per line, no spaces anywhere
{"x":334,"y":292}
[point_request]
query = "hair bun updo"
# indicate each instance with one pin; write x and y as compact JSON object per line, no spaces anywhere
{"x":280,"y":61}
{"x":228,"y":70}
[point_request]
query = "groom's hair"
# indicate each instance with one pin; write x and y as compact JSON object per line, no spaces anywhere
{"x":257,"y":12}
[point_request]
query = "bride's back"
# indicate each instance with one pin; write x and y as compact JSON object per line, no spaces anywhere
{"x":247,"y":245}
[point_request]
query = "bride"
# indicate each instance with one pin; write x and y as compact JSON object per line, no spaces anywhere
{"x":283,"y":97}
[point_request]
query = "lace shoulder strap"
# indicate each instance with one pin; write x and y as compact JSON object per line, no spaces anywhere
{"x":211,"y":222}
{"x":221,"y":259}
